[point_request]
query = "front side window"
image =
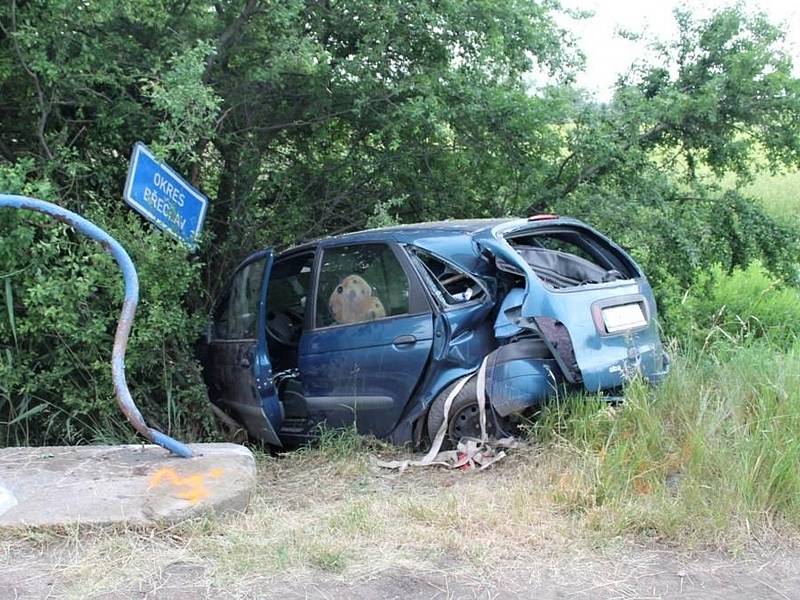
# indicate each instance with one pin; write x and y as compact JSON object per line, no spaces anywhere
{"x":288,"y":289}
{"x":289,"y":285}
{"x":360,"y":283}
{"x":238,"y":316}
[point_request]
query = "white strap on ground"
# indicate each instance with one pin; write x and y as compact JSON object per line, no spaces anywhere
{"x":470,"y":452}
{"x":481,"y":393}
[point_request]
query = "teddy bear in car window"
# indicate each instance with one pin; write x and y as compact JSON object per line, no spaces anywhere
{"x":354,"y":301}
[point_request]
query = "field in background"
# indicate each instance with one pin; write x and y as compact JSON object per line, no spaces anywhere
{"x":779,"y":192}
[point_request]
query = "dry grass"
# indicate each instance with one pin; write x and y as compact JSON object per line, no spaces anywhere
{"x":706,"y":461}
{"x":343,"y":516}
{"x":328,"y":514}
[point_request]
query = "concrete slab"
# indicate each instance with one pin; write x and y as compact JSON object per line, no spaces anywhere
{"x":134,"y":485}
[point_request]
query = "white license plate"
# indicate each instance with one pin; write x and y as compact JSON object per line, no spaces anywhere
{"x":623,"y":317}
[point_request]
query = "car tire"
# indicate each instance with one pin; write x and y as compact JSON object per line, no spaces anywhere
{"x":464,"y":415}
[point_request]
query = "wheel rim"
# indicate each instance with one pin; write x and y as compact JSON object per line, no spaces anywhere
{"x":467,"y":423}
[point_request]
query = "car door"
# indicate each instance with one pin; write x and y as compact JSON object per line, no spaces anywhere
{"x":241,"y":370}
{"x":370,"y":337}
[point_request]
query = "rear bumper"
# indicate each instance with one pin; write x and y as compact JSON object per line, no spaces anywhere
{"x":659,"y":376}
{"x":522,"y":384}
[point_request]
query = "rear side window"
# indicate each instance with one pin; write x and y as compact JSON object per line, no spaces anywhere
{"x":238,"y":316}
{"x":448,"y":283}
{"x":360,"y":283}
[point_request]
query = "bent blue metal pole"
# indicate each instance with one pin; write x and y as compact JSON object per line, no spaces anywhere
{"x":125,"y":323}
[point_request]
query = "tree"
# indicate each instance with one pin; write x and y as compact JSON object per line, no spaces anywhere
{"x":339,"y":113}
{"x":298,"y":118}
{"x":721,"y":98}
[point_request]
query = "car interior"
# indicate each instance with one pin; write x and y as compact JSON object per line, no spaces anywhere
{"x":446,"y":282}
{"x":287,"y":294}
{"x":565,"y":258}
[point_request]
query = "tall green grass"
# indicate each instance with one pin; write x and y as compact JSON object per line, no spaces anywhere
{"x":722,"y":311}
{"x":712,"y":453}
{"x":780,"y":193}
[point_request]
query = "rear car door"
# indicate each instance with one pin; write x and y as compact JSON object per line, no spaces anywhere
{"x":370,"y":340}
{"x":240,"y":370}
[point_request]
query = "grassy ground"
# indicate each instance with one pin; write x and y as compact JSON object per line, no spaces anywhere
{"x":780,"y":193}
{"x":706,"y":462}
{"x":708,"y":458}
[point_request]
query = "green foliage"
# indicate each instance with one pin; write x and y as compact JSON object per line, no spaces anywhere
{"x":190,"y":106}
{"x":739,"y":307}
{"x":62,"y":301}
{"x":298,"y":118}
{"x":712,"y":453}
{"x":301,"y":119}
{"x":335,"y":113}
{"x":732,"y":93}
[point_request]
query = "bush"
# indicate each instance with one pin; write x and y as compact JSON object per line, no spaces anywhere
{"x":738,"y":307}
{"x":61,"y":295}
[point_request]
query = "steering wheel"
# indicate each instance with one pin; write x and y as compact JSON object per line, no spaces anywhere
{"x":284,"y":327}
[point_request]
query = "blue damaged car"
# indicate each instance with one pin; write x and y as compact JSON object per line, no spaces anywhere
{"x":374,"y":328}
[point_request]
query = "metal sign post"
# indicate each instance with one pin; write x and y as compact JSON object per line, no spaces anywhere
{"x":125,"y":323}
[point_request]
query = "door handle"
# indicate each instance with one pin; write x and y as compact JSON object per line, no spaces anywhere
{"x":404,"y":340}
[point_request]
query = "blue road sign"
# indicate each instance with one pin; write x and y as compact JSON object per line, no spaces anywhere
{"x":163,"y":196}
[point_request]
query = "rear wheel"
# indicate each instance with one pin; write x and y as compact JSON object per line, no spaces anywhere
{"x":464,"y":418}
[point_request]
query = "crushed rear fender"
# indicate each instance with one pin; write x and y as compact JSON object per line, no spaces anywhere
{"x":567,"y":319}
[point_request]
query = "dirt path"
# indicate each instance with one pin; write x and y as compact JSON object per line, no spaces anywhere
{"x":336,"y":527}
{"x":632,"y":573}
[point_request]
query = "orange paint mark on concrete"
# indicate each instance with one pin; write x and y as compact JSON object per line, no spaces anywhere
{"x":188,"y":487}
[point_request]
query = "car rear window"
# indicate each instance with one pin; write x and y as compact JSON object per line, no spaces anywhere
{"x":359,"y":283}
{"x":565,"y":257}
